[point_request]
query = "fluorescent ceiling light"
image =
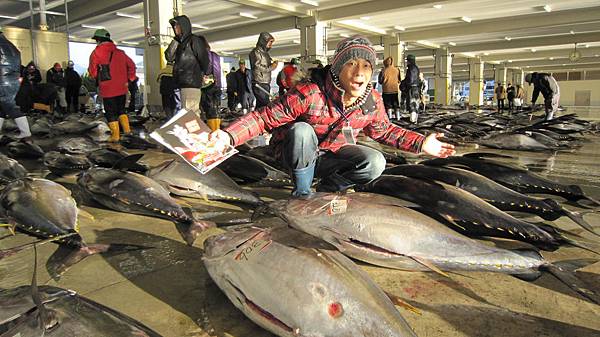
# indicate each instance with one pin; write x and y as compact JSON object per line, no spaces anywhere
{"x":92,"y":26}
{"x":437,"y":6}
{"x":362,"y":26}
{"x":564,"y":64}
{"x":296,"y":41}
{"x":572,"y":32}
{"x":310,"y":2}
{"x":586,"y":45}
{"x":486,"y":53}
{"x":195,"y":25}
{"x":466,"y":19}
{"x":596,"y":55}
{"x":248,"y":15}
{"x":131,"y":16}
{"x":526,"y":66}
{"x":345,"y":35}
{"x":509,"y":61}
{"x":226,"y":52}
{"x":52,"y":13}
{"x":547,"y":8}
{"x":399,"y":28}
{"x":452,"y":44}
{"x":533,"y":50}
{"x":130,"y":42}
{"x":551,"y":58}
{"x":507,"y":38}
{"x":8,"y":17}
{"x":366,"y":18}
{"x":73,"y":37}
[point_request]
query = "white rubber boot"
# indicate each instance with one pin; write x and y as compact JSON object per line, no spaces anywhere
{"x":23,"y":126}
{"x":398,"y":114}
{"x":390,"y":113}
{"x":1,"y":123}
{"x":414,"y":117}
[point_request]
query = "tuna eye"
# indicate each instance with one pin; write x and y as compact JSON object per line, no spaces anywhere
{"x":335,"y":309}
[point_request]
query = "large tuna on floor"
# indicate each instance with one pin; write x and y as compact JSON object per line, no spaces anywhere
{"x":183,"y":180}
{"x":380,"y":230}
{"x":10,"y":170}
{"x":61,"y":312}
{"x":250,"y":170}
{"x":289,"y":284}
{"x":134,"y":193}
{"x":65,"y":164}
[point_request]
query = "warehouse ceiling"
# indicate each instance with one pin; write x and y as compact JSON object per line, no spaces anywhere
{"x":526,"y":33}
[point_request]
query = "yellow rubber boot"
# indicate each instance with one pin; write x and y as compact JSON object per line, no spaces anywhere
{"x":214,"y":123}
{"x":125,"y":124}
{"x":114,"y":132}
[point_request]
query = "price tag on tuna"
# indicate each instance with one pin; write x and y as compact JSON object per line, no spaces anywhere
{"x":337,"y":206}
{"x":246,"y":252}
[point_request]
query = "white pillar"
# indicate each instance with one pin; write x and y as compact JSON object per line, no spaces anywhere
{"x":519,"y":76}
{"x":392,"y":46}
{"x":443,"y":76}
{"x":159,"y":34}
{"x":476,"y":85}
{"x":500,"y":75}
{"x":313,"y":42}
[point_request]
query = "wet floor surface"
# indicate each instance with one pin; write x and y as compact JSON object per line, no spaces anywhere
{"x":168,"y":289}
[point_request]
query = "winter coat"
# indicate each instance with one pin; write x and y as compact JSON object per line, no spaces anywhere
{"x":72,"y":78}
{"x":244,"y":81}
{"x":318,"y":102}
{"x":500,"y":92}
{"x":10,"y":67}
{"x":166,"y":81}
{"x":260,"y":60}
{"x":231,"y":82}
{"x":544,"y":83}
{"x":56,"y":77}
{"x":29,"y":86}
{"x":214,"y":67}
{"x":411,"y":78}
{"x":520,"y":93}
{"x":511,"y":92}
{"x":122,"y":69}
{"x":189,"y":54}
{"x":389,"y":77}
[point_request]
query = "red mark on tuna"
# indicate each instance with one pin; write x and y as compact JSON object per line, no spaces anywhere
{"x":335,"y":309}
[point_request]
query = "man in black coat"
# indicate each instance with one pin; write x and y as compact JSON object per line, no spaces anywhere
{"x":262,"y":66}
{"x":73,"y":84}
{"x":231,"y":90}
{"x":189,"y":55}
{"x":56,"y":76}
{"x":410,"y":88}
{"x":547,"y":85}
{"x":243,"y":78}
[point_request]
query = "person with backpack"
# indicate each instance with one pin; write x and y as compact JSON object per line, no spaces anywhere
{"x":112,"y":69}
{"x":189,"y":55}
{"x":315,"y":125}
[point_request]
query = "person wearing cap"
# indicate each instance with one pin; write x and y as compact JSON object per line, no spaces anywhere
{"x":410,"y":88}
{"x":314,"y":125}
{"x":113,"y":90}
{"x":547,"y":85}
{"x":285,"y":77}
{"x":262,"y":66}
{"x":243,"y":78}
{"x":56,"y":76}
{"x":190,"y":58}
{"x":73,"y":84}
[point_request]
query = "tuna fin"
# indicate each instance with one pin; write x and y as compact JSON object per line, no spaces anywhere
{"x":578,"y":218}
{"x":565,"y":271}
{"x":85,"y":214}
{"x":10,"y":227}
{"x":128,"y":162}
{"x":430,"y":266}
{"x":401,"y":303}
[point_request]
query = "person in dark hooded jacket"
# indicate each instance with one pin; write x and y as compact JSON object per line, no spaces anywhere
{"x":410,"y":88}
{"x":262,"y":66}
{"x":73,"y":83}
{"x":28,"y":90}
{"x":189,"y":55}
{"x":547,"y":85}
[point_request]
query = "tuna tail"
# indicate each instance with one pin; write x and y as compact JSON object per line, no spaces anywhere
{"x":560,"y":236}
{"x":564,"y":271}
{"x":578,"y":218}
{"x":65,"y":257}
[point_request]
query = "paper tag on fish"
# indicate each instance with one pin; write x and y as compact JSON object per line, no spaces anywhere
{"x":250,"y":250}
{"x":337,"y":206}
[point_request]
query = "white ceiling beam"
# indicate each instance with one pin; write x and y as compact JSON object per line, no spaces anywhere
{"x":272,"y":6}
{"x":541,"y":54}
{"x":590,"y":66}
{"x":540,"y":63}
{"x":83,"y":11}
{"x":505,"y":24}
{"x":553,"y":40}
{"x":273,"y":25}
{"x":371,"y":7}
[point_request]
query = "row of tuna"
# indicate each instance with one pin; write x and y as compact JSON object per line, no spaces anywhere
{"x":418,"y":217}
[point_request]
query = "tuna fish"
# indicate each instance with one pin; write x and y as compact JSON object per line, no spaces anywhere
{"x":25,"y":149}
{"x":10,"y":170}
{"x":380,"y":230}
{"x":293,"y":286}
{"x":65,"y":164}
{"x":134,"y":193}
{"x":107,"y":157}
{"x":182,"y":179}
{"x":77,"y":145}
{"x":254,"y":171}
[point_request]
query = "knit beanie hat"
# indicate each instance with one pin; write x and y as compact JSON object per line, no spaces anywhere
{"x":353,"y":47}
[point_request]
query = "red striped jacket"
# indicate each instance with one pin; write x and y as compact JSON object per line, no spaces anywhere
{"x":318,"y":102}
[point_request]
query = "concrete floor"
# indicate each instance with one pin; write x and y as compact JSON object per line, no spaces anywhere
{"x":168,"y":288}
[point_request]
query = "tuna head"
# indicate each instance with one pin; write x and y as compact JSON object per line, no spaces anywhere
{"x":10,"y":170}
{"x":294,"y":290}
{"x":62,"y":163}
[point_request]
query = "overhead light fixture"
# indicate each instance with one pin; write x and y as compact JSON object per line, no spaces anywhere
{"x":131,"y":16}
{"x":92,"y":26}
{"x":533,"y":50}
{"x":358,"y":24}
{"x":344,"y":35}
{"x":564,"y":64}
{"x":8,"y":17}
{"x":130,"y":42}
{"x":526,"y":66}
{"x":596,"y":55}
{"x":195,"y":25}
{"x":437,"y":6}
{"x":551,"y":58}
{"x":296,"y":41}
{"x":486,"y":53}
{"x":365,"y":18}
{"x":310,"y":2}
{"x":572,"y":32}
{"x":73,"y":37}
{"x":466,"y":19}
{"x":52,"y":13}
{"x":226,"y":52}
{"x":547,"y":8}
{"x":508,"y":38}
{"x":248,"y":15}
{"x":452,"y":44}
{"x":400,"y":28}
{"x":509,"y":61}
{"x":586,"y":45}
